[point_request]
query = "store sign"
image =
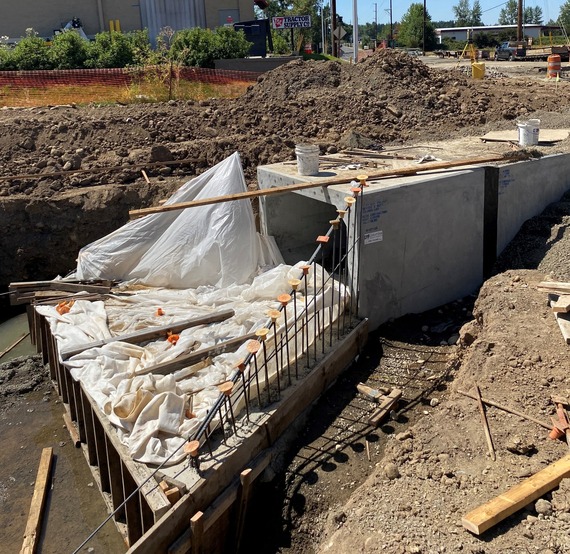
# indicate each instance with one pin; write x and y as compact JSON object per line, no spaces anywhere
{"x":292,"y":22}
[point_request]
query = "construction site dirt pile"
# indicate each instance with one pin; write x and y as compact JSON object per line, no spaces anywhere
{"x":390,"y":97}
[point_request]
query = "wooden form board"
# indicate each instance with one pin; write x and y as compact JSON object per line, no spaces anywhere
{"x":33,"y":525}
{"x":486,"y":516}
{"x":561,"y":304}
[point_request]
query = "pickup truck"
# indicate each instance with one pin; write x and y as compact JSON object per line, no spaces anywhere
{"x":506,"y":52}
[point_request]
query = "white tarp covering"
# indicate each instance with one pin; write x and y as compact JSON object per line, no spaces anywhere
{"x":187,"y":263}
{"x":215,"y":244}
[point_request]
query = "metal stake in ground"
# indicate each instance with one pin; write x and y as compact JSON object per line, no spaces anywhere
{"x":274,"y":314}
{"x":262,"y":335}
{"x":305,"y":269}
{"x":285,"y":299}
{"x":294,"y":285}
{"x":253,"y":348}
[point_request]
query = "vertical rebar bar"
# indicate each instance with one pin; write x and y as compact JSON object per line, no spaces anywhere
{"x":246,"y":390}
{"x":253,"y":347}
{"x":363,"y":184}
{"x":226,"y":389}
{"x":341,"y":214}
{"x":335,"y":223}
{"x":350,"y":200}
{"x":305,"y":269}
{"x":294,"y":285}
{"x":315,"y":332}
{"x":322,"y":331}
{"x":274,"y":314}
{"x":262,"y":335}
{"x":355,"y":191}
{"x":285,"y":299}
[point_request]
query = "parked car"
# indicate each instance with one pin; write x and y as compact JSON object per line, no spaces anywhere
{"x":506,"y":52}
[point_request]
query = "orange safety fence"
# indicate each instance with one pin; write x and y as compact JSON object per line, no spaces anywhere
{"x":148,"y":84}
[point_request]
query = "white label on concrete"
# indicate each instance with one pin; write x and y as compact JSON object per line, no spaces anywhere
{"x":370,"y":238}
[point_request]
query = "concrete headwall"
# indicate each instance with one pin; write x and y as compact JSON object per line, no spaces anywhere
{"x":424,"y":240}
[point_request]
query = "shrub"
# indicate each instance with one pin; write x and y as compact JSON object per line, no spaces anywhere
{"x":31,"y":53}
{"x":201,"y":47}
{"x":68,"y":51}
{"x":230,"y":44}
{"x":118,"y":49}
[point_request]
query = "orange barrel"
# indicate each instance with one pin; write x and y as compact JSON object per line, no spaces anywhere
{"x":553,"y":66}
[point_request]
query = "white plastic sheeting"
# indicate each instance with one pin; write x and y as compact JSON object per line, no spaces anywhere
{"x":207,"y":258}
{"x":215,"y":244}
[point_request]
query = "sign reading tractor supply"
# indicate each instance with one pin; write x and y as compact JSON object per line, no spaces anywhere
{"x":292,"y":22}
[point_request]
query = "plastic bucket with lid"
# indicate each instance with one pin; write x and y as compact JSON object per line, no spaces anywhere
{"x":307,"y":159}
{"x":554,"y":66}
{"x":478,"y":70}
{"x":529,"y":132}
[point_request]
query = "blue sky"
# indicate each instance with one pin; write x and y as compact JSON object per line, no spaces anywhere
{"x":438,"y":9}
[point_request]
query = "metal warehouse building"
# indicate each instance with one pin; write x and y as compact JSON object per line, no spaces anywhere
{"x":95,"y":15}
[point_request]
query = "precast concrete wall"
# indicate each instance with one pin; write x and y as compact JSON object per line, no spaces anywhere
{"x":424,"y":240}
{"x":525,"y":189}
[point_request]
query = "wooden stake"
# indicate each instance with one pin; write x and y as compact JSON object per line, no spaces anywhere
{"x":325,"y":183}
{"x":486,"y":516}
{"x":12,"y":346}
{"x":33,"y":526}
{"x":145,"y":176}
{"x":197,"y":530}
{"x":72,"y":430}
{"x":507,"y":409}
{"x":485,"y":423}
{"x":242,"y":504}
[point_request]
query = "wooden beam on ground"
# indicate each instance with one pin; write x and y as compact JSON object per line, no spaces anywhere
{"x":33,"y":526}
{"x":561,"y":304}
{"x":385,"y":407}
{"x":412,"y":170}
{"x":507,"y":409}
{"x":152,"y":332}
{"x":485,"y":423}
{"x":13,"y":345}
{"x":185,"y":361}
{"x":563,"y":321}
{"x":488,"y":515}
{"x":556,"y":287}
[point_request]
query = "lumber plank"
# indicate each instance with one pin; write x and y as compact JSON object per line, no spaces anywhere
{"x":185,"y":361}
{"x":561,"y":304}
{"x":563,"y":321}
{"x":411,"y":170}
{"x":388,"y":404}
{"x":151,"y":333}
{"x":33,"y":525}
{"x":242,"y":505}
{"x":13,"y":345}
{"x":488,"y":515}
{"x":557,"y":287}
{"x":72,"y":430}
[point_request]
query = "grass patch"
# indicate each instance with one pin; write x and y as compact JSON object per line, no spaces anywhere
{"x":11,"y":96}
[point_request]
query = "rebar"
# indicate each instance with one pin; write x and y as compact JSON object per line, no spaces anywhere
{"x":285,"y":299}
{"x":305,"y":269}
{"x":274,"y":314}
{"x":262,"y":335}
{"x":294,"y":285}
{"x":253,"y":347}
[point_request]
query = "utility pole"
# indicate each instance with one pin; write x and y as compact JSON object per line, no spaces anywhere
{"x":355,"y":39}
{"x":333,"y":29}
{"x":375,"y":23}
{"x":519,"y":21}
{"x":391,"y":28}
{"x":424,"y":33}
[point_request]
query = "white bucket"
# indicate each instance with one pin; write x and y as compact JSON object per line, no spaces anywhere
{"x":528,"y":132}
{"x":307,"y":159}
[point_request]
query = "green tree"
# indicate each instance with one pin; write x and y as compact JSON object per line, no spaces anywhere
{"x":467,"y":16}
{"x":462,"y":13}
{"x":229,"y":43}
{"x":68,"y":50}
{"x":508,"y":14}
{"x":31,"y":53}
{"x":476,"y":14}
{"x":564,"y":15}
{"x":535,"y":16}
{"x":411,"y":28}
